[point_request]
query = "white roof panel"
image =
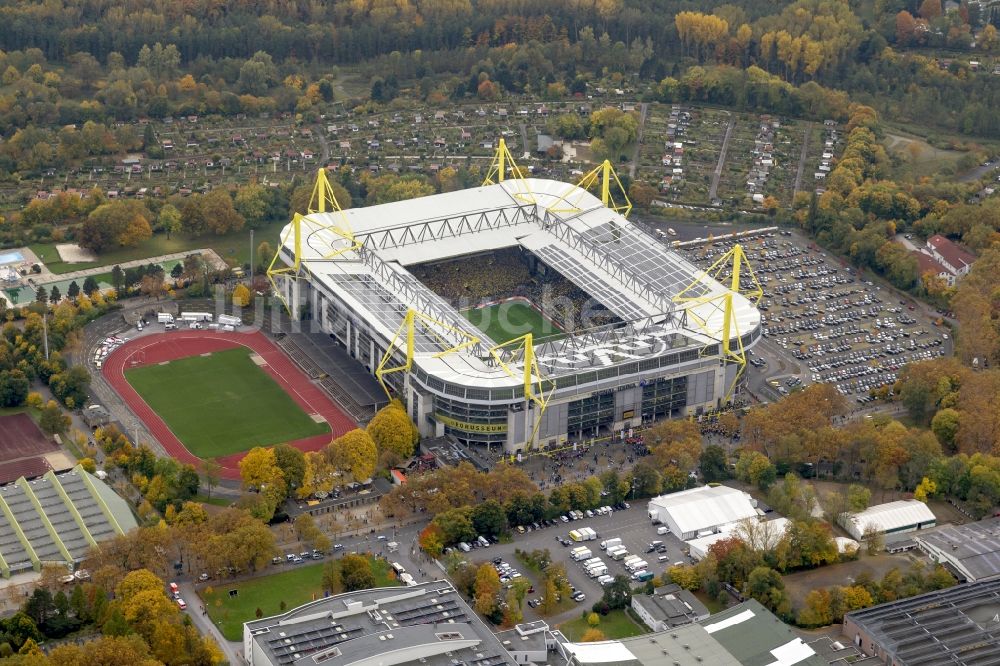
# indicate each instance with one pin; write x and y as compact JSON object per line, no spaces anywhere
{"x":705,"y":507}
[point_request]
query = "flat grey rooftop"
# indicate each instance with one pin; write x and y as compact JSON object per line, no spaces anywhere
{"x":953,"y":626}
{"x":973,"y":547}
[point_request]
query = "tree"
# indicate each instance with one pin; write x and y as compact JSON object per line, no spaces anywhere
{"x":253,"y":202}
{"x":713,"y":464}
{"x":13,"y":388}
{"x":152,"y":285}
{"x":686,"y":576}
{"x":592,"y":635}
{"x":265,"y":253}
{"x":169,"y":220}
{"x":259,"y":471}
{"x":121,"y":223}
{"x":219,"y":213}
{"x":431,"y":540}
{"x":392,"y":430}
{"x":355,"y":454}
{"x":54,"y":295}
{"x":489,"y":518}
{"x":754,"y":467}
{"x":487,"y":587}
{"x":766,"y":586}
{"x":945,"y":426}
{"x":930,"y":9}
{"x":456,"y":525}
{"x":618,"y":594}
{"x":52,"y":420}
{"x":874,"y":539}
{"x":356,"y":572}
{"x":925,"y":490}
{"x":241,"y":295}
{"x":333,"y":581}
{"x":73,"y":290}
{"x":292,"y":463}
{"x":89,"y":285}
{"x":858,"y":498}
{"x":42,"y":295}
{"x":211,"y":470}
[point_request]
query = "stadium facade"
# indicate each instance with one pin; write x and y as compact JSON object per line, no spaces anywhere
{"x":660,"y":359}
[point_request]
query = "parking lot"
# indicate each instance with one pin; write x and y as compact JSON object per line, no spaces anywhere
{"x":831,"y":324}
{"x":631,"y":525}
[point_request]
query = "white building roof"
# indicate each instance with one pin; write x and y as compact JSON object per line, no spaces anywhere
{"x":888,"y":517}
{"x":776,"y":530}
{"x":603,"y":652}
{"x":704,"y":508}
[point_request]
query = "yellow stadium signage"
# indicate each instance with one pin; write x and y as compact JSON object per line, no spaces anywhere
{"x":471,"y":427}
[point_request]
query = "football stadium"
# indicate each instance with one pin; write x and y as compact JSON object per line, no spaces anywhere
{"x":525,"y":313}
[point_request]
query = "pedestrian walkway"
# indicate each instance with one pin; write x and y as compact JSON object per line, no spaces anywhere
{"x":212,"y":257}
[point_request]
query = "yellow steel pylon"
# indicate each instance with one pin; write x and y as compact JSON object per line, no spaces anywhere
{"x":407,"y":328}
{"x":534,"y":382}
{"x":731,"y":353}
{"x":322,"y":200}
{"x":605,"y":175}
{"x":503,"y":167}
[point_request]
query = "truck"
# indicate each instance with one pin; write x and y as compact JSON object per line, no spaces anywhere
{"x":598,"y":571}
{"x":618,"y":553}
{"x":610,"y":543}
{"x":642,"y":576}
{"x":196,"y":316}
{"x":164,"y":318}
{"x":631,"y":558}
{"x":230,"y":320}
{"x":605,"y":580}
{"x":575,"y":535}
{"x":587,"y":533}
{"x":591,"y":561}
{"x":637,"y":566}
{"x":580,"y":554}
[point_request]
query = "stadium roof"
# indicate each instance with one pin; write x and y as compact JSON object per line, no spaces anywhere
{"x":56,"y":518}
{"x":972,"y":549}
{"x":428,"y":623}
{"x":631,"y":273}
{"x":703,"y":508}
{"x":953,"y":626}
{"x":888,"y":517}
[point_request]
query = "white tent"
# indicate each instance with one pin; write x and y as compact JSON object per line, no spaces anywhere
{"x":701,"y":510}
{"x":889,"y":518}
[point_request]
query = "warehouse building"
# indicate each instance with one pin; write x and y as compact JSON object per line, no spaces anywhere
{"x":427,"y":624}
{"x":890,"y":518}
{"x":699,"y":512}
{"x":56,"y":518}
{"x":766,"y":537}
{"x":745,"y":635}
{"x":957,"y":626}
{"x":971,"y":551}
{"x":667,"y":607}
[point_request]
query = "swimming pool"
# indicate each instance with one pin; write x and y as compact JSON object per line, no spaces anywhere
{"x":11,"y":258}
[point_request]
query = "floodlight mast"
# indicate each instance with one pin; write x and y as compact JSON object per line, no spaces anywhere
{"x":322,"y":200}
{"x":736,"y":260}
{"x":603,"y":174}
{"x":504,"y":168}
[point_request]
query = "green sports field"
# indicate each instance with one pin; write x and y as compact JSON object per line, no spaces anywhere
{"x":512,"y":319}
{"x":222,"y":403}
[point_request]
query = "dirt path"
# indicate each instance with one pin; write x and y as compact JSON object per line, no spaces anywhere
{"x":802,"y":160}
{"x":717,"y":174}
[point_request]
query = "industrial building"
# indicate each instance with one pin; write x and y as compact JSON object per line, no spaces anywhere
{"x":959,"y":626}
{"x":970,"y":551}
{"x":56,"y":518}
{"x":699,"y":512}
{"x":667,"y":607}
{"x":745,"y":635}
{"x":890,"y":518}
{"x":427,"y":624}
{"x":675,"y":345}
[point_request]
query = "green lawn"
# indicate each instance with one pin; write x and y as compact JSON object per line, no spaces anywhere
{"x":616,"y":624}
{"x":234,"y":247}
{"x":512,"y":319}
{"x":299,"y":584}
{"x":222,"y":403}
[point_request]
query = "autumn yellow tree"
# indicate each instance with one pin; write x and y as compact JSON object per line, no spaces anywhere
{"x":355,"y":454}
{"x":393,"y":432}
{"x":241,"y":295}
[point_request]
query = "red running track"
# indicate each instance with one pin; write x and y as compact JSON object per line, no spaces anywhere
{"x":161,"y":347}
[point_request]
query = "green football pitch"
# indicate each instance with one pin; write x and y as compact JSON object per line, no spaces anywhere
{"x":512,"y":319}
{"x":222,"y":403}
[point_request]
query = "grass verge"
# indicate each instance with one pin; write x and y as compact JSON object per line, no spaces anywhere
{"x":616,"y":624}
{"x":297,"y":585}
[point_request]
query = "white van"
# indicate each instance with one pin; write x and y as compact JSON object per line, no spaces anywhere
{"x":663,"y":529}
{"x":464,"y":547}
{"x":170,"y":326}
{"x":483,"y":541}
